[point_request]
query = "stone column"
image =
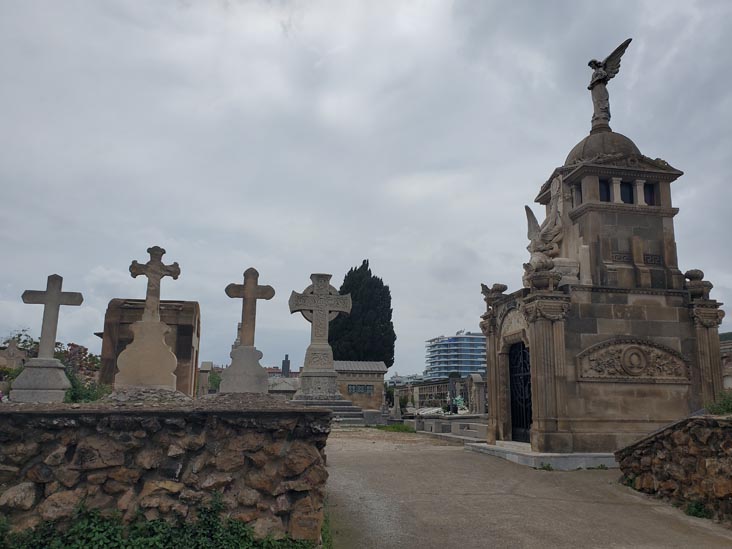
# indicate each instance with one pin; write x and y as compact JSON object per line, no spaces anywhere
{"x":545,"y":313}
{"x":639,"y":191}
{"x":616,"y":190}
{"x":707,"y":317}
{"x":488,"y":327}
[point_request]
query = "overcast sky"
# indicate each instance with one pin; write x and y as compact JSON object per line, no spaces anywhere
{"x":301,"y":137}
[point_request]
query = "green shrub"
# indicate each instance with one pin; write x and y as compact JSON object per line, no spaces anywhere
{"x":546,"y":466}
{"x":89,"y":529}
{"x":84,"y":392}
{"x":723,"y":405}
{"x":697,"y":509}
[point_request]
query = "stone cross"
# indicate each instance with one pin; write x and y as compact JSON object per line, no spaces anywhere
{"x":154,"y":270}
{"x":51,"y":299}
{"x":250,"y":292}
{"x":319,"y":304}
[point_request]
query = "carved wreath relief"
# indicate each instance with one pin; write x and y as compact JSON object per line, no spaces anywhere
{"x":631,"y":359}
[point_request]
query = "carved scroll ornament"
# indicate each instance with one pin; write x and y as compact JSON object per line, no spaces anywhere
{"x":632,"y":360}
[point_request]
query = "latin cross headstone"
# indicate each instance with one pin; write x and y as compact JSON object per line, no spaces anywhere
{"x":249,"y":292}
{"x":246,"y":375}
{"x":148,"y":361}
{"x":319,"y":303}
{"x":43,"y":379}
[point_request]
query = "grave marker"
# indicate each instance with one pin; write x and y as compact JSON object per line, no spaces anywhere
{"x":43,"y":379}
{"x":246,"y":375}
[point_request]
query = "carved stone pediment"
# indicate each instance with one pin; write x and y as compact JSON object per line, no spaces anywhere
{"x":633,"y":161}
{"x":634,"y":360}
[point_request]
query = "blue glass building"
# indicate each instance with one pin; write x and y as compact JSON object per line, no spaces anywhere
{"x":463,"y":353}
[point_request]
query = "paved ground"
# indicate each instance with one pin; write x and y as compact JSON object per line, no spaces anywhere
{"x":393,"y":490}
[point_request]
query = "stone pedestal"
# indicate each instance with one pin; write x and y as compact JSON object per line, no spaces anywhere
{"x":245,"y":375}
{"x":318,"y":385}
{"x":42,"y":380}
{"x":147,"y":361}
{"x":318,"y":379}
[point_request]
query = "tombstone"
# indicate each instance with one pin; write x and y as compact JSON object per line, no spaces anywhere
{"x":246,"y":374}
{"x":396,"y":410}
{"x":286,"y":366}
{"x":410,"y":404}
{"x":203,"y":372}
{"x":319,"y":303}
{"x":148,"y":361}
{"x":476,"y":394}
{"x":43,"y":379}
{"x":12,"y":357}
{"x":384,"y":405}
{"x":182,"y":317}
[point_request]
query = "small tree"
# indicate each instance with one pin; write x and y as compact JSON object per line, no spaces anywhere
{"x":368,"y":332}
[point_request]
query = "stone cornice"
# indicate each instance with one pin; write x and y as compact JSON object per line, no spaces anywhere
{"x":642,"y":291}
{"x":582,"y":209}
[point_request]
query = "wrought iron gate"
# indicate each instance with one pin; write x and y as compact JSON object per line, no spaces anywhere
{"x":519,"y":373}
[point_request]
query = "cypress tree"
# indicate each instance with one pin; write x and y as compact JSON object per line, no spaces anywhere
{"x":368,"y":332}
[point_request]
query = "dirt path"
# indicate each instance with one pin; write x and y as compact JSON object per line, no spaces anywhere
{"x":394,"y":490}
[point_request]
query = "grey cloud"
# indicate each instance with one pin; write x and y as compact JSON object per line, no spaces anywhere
{"x":306,"y":136}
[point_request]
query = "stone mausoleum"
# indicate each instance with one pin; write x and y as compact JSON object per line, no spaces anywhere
{"x":608,"y":340}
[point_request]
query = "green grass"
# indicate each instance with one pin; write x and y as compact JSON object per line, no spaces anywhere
{"x":546,"y":467}
{"x":396,"y":428}
{"x":326,"y":532}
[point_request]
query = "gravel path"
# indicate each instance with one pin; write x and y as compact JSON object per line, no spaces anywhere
{"x":396,"y":490}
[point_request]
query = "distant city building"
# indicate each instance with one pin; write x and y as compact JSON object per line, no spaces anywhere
{"x":397,"y":381}
{"x":463,"y":353}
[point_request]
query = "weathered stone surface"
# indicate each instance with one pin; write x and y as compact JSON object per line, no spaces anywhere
{"x":269,"y":526}
{"x":685,"y":462}
{"x":96,"y":452}
{"x":40,"y":473}
{"x":21,"y":496}
{"x":149,"y":458}
{"x":60,"y":505}
{"x":164,"y":459}
{"x":67,"y":477}
{"x":299,"y":457}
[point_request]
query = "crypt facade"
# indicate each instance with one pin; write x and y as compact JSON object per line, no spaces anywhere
{"x":608,"y":340}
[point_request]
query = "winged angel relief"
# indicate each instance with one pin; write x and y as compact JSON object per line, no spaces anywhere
{"x":545,"y":238}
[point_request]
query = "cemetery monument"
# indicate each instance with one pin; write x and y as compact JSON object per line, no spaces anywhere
{"x":246,"y":374}
{"x":148,"y":361}
{"x":608,"y":340}
{"x":43,"y":378}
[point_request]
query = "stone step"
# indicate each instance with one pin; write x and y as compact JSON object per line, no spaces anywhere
{"x":344,"y":411}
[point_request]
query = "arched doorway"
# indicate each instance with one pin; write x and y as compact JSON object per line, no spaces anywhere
{"x":519,"y":374}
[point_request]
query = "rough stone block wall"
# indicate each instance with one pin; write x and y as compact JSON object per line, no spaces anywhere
{"x":264,"y":456}
{"x":689,"y":461}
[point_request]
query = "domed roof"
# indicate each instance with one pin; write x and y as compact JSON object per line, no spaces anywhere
{"x":607,"y":142}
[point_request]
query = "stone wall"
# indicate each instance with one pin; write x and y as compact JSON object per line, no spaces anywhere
{"x":689,"y":461}
{"x":164,"y":458}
